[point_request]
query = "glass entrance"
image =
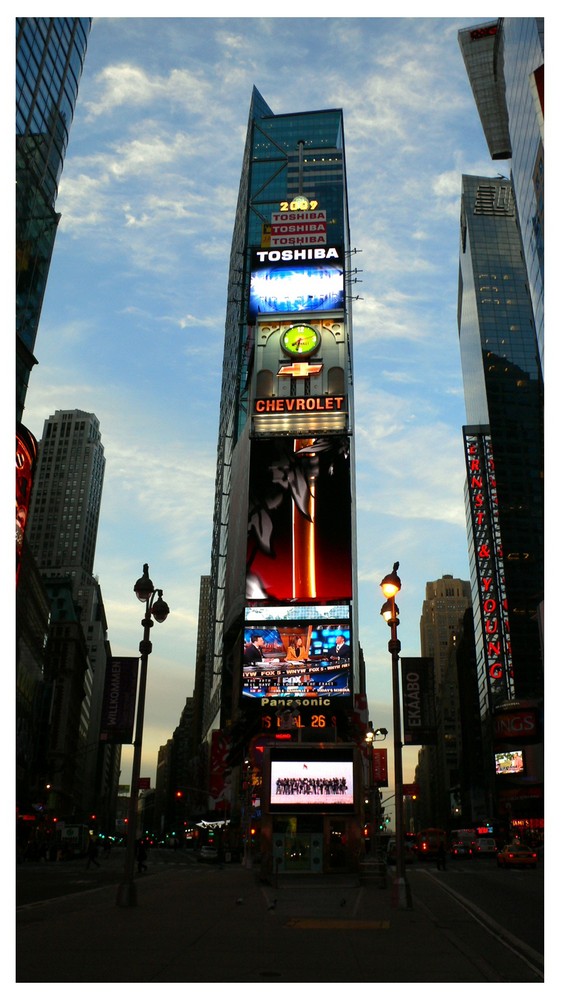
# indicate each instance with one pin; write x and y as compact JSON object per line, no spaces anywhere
{"x":298,"y":844}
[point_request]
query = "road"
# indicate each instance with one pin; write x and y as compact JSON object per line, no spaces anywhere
{"x":325,"y":929}
{"x":512,"y":899}
{"x":508,"y":901}
{"x":38,"y":881}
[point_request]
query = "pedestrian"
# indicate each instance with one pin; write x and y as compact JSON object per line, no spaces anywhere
{"x":441,"y":857}
{"x":141,"y":857}
{"x":92,"y":853}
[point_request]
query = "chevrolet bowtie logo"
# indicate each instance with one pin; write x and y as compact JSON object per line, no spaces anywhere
{"x":299,"y":369}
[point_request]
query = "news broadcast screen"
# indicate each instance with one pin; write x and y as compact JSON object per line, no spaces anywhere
{"x":509,"y":762}
{"x":319,"y":780}
{"x":290,"y":659}
{"x":296,"y":280}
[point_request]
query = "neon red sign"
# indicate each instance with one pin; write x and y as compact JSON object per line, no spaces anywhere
{"x":483,"y":499}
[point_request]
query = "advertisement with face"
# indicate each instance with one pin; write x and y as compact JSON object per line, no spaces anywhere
{"x":297,"y":660}
{"x":299,"y":521}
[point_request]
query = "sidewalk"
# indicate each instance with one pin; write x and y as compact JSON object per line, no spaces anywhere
{"x":221,"y":924}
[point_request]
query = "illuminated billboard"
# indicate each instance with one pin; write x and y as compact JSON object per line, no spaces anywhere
{"x":311,"y":780}
{"x":509,"y":762}
{"x":296,"y":280}
{"x":299,"y":545}
{"x":287,"y":660}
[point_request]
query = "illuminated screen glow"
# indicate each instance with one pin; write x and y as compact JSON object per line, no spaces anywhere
{"x":509,"y":762}
{"x":321,"y":781}
{"x":299,"y":537}
{"x":296,"y":286}
{"x":291,"y":659}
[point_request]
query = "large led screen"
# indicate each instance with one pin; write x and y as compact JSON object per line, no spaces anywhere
{"x":297,"y":660}
{"x":509,"y":762}
{"x":311,"y":780}
{"x":296,"y":280}
{"x":299,"y":521}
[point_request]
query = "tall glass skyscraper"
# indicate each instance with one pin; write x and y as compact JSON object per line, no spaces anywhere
{"x":501,"y":322}
{"x":283,"y":568}
{"x":505,"y":65}
{"x":50,"y":54}
{"x":503,"y":386}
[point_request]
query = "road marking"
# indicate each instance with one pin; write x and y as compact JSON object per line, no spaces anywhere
{"x":312,"y":923}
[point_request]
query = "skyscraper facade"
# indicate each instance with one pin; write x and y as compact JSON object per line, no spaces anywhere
{"x":504,"y":60}
{"x":61,"y":536}
{"x":49,"y":58}
{"x":503,"y":439}
{"x":50,"y":54}
{"x":65,"y":507}
{"x":444,"y":605}
{"x":284,"y":644}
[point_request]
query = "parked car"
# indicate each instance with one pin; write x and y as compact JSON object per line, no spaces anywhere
{"x":461,"y":849}
{"x":208,"y":854}
{"x":485,"y":847}
{"x":517,"y":856}
{"x":391,"y":854}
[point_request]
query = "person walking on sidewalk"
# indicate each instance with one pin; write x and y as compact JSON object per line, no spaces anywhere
{"x":92,"y":853}
{"x":441,"y":857}
{"x":141,"y":856}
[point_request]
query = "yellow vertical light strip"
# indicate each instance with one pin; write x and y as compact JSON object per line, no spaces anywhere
{"x":304,"y":563}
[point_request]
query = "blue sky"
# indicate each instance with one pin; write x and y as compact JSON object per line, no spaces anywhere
{"x":133,"y":319}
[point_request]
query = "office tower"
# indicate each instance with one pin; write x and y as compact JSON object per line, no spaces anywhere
{"x":442,"y":610}
{"x":504,"y":60}
{"x":50,"y":54}
{"x":65,"y":507}
{"x":438,"y":771}
{"x":61,"y":535}
{"x":503,"y":439}
{"x":283,"y":567}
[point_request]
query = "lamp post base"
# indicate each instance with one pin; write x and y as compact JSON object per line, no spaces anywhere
{"x":126,"y":894}
{"x":401,"y":895}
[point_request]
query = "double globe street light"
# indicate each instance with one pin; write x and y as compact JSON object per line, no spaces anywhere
{"x":391,"y":586}
{"x":158,"y":609}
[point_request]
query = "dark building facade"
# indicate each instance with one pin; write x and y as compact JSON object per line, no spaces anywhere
{"x":501,"y":327}
{"x":61,"y":538}
{"x":50,"y":53}
{"x":49,"y":59}
{"x":284,"y":650}
{"x":503,"y":439}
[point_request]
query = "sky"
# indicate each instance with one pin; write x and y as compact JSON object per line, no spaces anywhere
{"x":132,"y":325}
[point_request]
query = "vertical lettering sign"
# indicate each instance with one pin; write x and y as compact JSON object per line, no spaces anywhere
{"x":419,"y":717}
{"x":483,"y":500}
{"x":120,"y":695}
{"x":380,"y":766}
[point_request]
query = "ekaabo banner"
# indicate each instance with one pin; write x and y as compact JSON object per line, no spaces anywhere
{"x":419,"y":716}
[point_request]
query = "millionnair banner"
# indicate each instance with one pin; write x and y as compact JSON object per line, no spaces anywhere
{"x":419,"y":717}
{"x":120,"y":695}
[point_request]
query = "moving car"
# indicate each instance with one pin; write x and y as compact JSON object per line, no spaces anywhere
{"x":208,"y":853}
{"x":461,"y":849}
{"x":485,"y":847}
{"x":392,"y":853}
{"x":517,"y":856}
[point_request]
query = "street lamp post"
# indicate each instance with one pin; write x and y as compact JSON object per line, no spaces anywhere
{"x":391,"y":586}
{"x":155,"y":608}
